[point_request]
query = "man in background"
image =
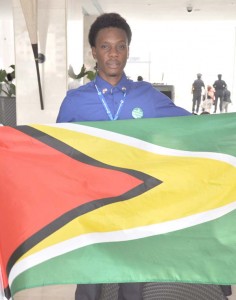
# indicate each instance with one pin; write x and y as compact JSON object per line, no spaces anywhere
{"x":197,"y":88}
{"x":140,"y":78}
{"x":219,"y":86}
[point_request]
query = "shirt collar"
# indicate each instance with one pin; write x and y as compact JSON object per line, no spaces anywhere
{"x":104,"y":86}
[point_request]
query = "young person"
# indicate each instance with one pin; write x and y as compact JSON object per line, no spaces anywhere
{"x":111,"y":96}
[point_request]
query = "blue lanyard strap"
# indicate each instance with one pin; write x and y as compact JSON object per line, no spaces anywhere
{"x":107,"y":109}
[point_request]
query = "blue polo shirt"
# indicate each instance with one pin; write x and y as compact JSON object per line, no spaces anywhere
{"x":141,"y":100}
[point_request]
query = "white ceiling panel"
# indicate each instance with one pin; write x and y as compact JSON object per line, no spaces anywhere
{"x":154,"y":10}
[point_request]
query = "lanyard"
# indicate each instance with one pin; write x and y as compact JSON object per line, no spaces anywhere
{"x":107,"y":109}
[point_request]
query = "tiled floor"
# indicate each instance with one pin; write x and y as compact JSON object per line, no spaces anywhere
{"x":65,"y":292}
{"x":60,"y":292}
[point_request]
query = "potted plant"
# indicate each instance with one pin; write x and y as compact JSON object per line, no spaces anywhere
{"x":89,"y":74}
{"x":7,"y":97}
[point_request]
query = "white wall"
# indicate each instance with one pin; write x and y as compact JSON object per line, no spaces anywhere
{"x":7,"y":44}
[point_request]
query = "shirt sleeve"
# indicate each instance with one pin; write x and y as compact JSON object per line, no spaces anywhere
{"x":67,"y":110}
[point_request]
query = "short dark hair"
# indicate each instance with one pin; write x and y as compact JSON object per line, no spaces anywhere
{"x":108,"y":20}
{"x":9,"y":77}
{"x":140,"y":78}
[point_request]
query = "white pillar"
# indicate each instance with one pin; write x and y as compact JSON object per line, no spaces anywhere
{"x":88,"y":58}
{"x":52,"y":39}
{"x":75,"y":35}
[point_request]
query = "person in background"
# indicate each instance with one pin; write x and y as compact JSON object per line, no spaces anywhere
{"x":112,"y":96}
{"x":209,"y":99}
{"x":219,"y":86}
{"x":226,"y":100}
{"x":140,"y":78}
{"x":198,"y":87}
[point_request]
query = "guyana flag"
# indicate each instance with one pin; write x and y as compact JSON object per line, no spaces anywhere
{"x":146,"y":200}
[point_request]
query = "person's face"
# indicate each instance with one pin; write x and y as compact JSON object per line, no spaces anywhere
{"x":111,"y":52}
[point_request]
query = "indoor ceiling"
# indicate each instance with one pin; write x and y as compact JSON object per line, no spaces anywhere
{"x":154,"y":10}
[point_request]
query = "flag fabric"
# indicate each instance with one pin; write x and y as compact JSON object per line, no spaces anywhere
{"x":147,"y":200}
